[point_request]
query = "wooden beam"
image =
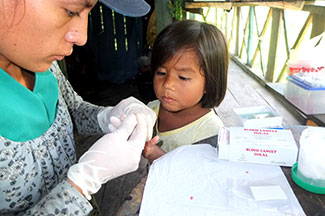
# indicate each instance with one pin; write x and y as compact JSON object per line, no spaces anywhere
{"x":195,"y":10}
{"x":281,"y":4}
{"x":288,"y":5}
{"x":223,"y":5}
{"x":314,"y":9}
{"x":318,"y":26}
{"x":275,"y":34}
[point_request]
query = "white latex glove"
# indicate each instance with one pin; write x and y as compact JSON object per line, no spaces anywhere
{"x":113,"y":155}
{"x":125,"y":107}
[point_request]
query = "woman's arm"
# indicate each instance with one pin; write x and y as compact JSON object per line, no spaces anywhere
{"x":84,"y":114}
{"x":64,"y":199}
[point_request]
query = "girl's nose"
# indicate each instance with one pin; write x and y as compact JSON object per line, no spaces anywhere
{"x":78,"y":32}
{"x":169,"y":82}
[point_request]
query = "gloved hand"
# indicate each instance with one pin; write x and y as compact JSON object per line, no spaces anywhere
{"x":113,"y":155}
{"x":125,"y":107}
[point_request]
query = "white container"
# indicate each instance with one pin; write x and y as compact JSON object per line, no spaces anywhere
{"x":308,"y":100}
{"x":258,"y":116}
{"x":257,"y":145}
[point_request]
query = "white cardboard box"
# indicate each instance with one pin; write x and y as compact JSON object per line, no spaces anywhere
{"x":257,"y":145}
{"x":258,"y":116}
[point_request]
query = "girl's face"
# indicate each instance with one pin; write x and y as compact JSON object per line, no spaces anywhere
{"x":180,"y":83}
{"x":34,"y":33}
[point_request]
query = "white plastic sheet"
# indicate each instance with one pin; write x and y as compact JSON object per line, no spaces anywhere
{"x":191,"y":181}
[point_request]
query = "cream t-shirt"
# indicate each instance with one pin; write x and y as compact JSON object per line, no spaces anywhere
{"x":202,"y":128}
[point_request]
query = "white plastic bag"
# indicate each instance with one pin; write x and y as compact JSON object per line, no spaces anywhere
{"x":311,"y":159}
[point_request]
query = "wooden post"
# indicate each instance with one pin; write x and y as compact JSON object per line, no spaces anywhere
{"x":250,"y":34}
{"x":216,"y":17}
{"x":222,"y":24}
{"x":192,"y":16}
{"x":237,"y":31}
{"x":275,"y":35}
{"x":232,"y":28}
{"x":226,"y":24}
{"x":163,"y":15}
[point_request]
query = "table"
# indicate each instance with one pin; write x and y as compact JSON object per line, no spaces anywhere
{"x":312,"y":204}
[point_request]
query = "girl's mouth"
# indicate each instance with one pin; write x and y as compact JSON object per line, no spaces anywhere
{"x":167,"y":99}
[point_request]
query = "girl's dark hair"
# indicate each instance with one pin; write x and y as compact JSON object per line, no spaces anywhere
{"x":211,"y":48}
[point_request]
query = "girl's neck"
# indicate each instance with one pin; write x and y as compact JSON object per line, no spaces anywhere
{"x":172,"y":120}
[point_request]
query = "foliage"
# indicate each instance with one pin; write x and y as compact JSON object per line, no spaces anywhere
{"x":176,"y":9}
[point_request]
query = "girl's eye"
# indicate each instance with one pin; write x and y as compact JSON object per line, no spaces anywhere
{"x":71,"y":13}
{"x":184,"y":78}
{"x":158,"y":73}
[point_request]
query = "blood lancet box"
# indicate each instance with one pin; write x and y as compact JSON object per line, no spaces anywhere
{"x":257,"y":145}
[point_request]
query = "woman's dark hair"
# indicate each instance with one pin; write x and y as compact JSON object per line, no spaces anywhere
{"x":211,"y":48}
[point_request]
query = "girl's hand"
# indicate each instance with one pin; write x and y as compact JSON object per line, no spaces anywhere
{"x":151,"y":151}
{"x":150,"y":147}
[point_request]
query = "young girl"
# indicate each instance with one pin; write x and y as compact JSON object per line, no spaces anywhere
{"x":190,"y":64}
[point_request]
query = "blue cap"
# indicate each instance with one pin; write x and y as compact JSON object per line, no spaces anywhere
{"x":131,"y":8}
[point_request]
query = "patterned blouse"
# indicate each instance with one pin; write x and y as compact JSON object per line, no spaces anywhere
{"x":33,"y":173}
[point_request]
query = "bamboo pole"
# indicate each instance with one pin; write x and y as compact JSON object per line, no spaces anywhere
{"x":261,"y":35}
{"x":232,"y":28}
{"x":275,"y":34}
{"x":297,"y":43}
{"x":238,"y":10}
{"x":250,"y":34}
{"x":243,"y":43}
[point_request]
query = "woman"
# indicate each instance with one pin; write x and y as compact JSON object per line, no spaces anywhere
{"x":38,"y":173}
